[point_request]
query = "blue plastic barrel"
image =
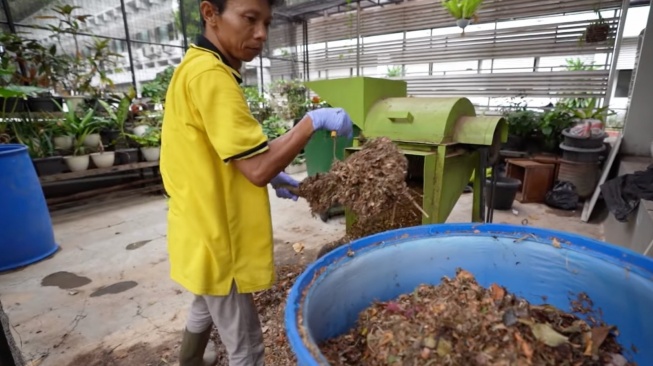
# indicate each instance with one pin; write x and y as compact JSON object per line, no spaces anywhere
{"x":327,"y":298}
{"x":26,"y":234}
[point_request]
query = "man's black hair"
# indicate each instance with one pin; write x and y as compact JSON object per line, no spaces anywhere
{"x":222,"y":4}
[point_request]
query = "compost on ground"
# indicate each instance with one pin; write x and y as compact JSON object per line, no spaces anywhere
{"x":461,"y":323}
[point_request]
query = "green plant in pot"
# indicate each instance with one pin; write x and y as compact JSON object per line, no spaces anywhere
{"x":522,"y":126}
{"x":156,"y":89}
{"x":462,"y":10}
{"x":37,"y":136}
{"x":258,"y":104}
{"x":69,"y":24}
{"x":598,"y":30}
{"x":552,"y":125}
{"x":295,"y":94}
{"x":80,"y":127}
{"x":117,"y":116}
{"x":150,"y":142}
{"x":103,"y":158}
{"x":590,"y":122}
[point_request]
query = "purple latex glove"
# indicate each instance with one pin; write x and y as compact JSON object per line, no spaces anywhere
{"x":332,"y":119}
{"x":284,"y":179}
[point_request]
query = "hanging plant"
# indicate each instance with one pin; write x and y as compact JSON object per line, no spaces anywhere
{"x":462,"y":10}
{"x":598,"y":30}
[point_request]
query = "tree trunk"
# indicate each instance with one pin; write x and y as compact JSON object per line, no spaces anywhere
{"x":9,"y":353}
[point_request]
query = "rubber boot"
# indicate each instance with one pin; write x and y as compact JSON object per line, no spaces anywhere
{"x":193,"y":347}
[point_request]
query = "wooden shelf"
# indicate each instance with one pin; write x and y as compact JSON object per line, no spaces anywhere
{"x":98,"y":171}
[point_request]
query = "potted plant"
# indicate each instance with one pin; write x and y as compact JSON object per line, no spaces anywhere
{"x":462,"y":10}
{"x":295,"y":105}
{"x":150,"y":143}
{"x":522,"y":126}
{"x":80,"y":128}
{"x":116,"y":135}
{"x":38,"y":138}
{"x":155,"y":90}
{"x":552,"y":125}
{"x":598,"y":30}
{"x":259,"y":105}
{"x":102,"y":158}
{"x":589,"y":131}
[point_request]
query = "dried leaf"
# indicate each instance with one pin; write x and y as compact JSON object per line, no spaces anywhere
{"x":429,"y":342}
{"x":526,"y":348}
{"x":464,"y":275}
{"x":298,"y":247}
{"x":444,"y":347}
{"x":547,"y":335}
{"x":599,"y":334}
{"x":497,"y":292}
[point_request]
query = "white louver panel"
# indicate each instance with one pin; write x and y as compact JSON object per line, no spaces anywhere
{"x":501,"y":53}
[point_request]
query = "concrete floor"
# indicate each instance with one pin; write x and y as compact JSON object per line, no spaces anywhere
{"x":122,"y":243}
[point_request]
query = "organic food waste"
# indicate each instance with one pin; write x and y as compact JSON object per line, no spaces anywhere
{"x":461,"y":323}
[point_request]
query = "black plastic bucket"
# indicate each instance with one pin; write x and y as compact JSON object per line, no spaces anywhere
{"x":505,"y":192}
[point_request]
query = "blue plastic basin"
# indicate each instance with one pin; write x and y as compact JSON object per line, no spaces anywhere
{"x":27,"y":235}
{"x":331,"y":292}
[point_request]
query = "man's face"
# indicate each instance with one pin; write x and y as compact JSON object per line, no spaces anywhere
{"x":242,"y":28}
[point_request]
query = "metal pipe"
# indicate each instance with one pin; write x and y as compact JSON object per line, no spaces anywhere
{"x":129,"y":45}
{"x":493,"y":187}
{"x":12,"y":29}
{"x":483,"y":153}
{"x":8,"y":16}
{"x":612,"y":76}
{"x":307,"y":75}
{"x":182,"y":19}
{"x":358,"y":39}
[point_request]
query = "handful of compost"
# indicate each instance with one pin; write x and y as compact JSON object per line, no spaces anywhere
{"x":368,"y":182}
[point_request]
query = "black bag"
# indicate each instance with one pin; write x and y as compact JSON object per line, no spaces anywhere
{"x":563,"y":196}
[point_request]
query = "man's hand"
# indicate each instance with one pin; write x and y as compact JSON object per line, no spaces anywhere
{"x":284,"y":179}
{"x":332,"y":119}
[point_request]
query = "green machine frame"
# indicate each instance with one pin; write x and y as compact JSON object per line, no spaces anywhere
{"x":445,"y":132}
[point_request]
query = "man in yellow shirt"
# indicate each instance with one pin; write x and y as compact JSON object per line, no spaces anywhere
{"x":216,"y":164}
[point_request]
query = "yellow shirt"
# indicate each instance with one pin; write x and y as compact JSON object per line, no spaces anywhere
{"x":219,"y":224}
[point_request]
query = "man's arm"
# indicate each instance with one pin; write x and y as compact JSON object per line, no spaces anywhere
{"x":261,"y":168}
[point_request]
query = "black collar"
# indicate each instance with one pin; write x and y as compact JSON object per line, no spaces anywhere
{"x":203,"y":42}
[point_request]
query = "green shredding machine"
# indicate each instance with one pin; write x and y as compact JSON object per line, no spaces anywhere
{"x":443,"y":138}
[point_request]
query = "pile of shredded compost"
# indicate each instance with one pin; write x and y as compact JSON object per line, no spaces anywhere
{"x":461,"y":323}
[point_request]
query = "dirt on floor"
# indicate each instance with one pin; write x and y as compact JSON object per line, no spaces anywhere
{"x":142,"y":354}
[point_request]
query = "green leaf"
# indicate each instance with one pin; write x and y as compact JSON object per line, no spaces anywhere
{"x":547,"y":335}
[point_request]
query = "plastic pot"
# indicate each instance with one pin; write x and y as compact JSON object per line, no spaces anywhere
{"x":151,"y":153}
{"x":581,"y":155}
{"x":505,"y":192}
{"x":593,"y":142}
{"x":104,"y":159}
{"x":77,"y":163}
